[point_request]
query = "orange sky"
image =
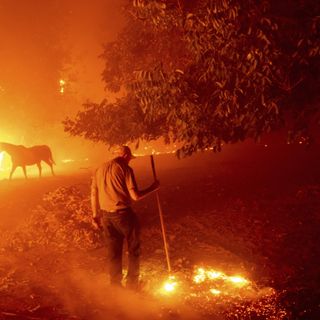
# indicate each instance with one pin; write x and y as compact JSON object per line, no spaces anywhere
{"x":41,"y":42}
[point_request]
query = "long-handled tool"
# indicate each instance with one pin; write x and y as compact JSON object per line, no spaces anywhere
{"x":161,"y":219}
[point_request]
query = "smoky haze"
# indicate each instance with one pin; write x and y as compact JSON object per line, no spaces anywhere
{"x":43,"y":42}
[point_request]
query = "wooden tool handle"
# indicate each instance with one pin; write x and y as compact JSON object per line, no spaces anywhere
{"x":161,"y":218}
{"x":153,"y":168}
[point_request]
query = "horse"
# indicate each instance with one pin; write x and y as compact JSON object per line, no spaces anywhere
{"x":22,"y":156}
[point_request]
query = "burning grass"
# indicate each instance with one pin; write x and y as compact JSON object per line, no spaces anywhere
{"x":57,"y":255}
{"x":214,"y":294}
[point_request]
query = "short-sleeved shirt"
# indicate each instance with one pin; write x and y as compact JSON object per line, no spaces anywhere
{"x":110,"y":186}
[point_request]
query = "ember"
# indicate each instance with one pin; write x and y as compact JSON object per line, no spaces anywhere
{"x":62,"y":85}
{"x":215,"y":291}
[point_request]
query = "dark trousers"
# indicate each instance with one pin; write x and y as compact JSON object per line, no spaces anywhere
{"x":117,"y":227}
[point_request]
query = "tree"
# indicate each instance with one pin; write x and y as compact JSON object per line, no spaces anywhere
{"x":204,"y":73}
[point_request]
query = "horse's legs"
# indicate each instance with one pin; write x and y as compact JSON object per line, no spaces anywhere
{"x":14,"y":167}
{"x":24,"y":171}
{"x":49,"y":163}
{"x":51,"y":166}
{"x":40,"y":169}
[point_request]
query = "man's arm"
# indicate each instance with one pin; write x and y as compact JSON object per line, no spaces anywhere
{"x":134,"y":192}
{"x":95,"y":202}
{"x":137,"y":194}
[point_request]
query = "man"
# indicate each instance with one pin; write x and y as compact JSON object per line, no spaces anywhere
{"x":112,"y":191}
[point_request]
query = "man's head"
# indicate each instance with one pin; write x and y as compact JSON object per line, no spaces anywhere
{"x":125,"y":153}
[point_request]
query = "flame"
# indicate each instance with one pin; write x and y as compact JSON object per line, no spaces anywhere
{"x":215,"y":292}
{"x":67,"y":160}
{"x":169,"y":286}
{"x":237,"y":280}
{"x":1,"y":161}
{"x":215,"y":275}
{"x":202,"y":275}
{"x":62,"y":85}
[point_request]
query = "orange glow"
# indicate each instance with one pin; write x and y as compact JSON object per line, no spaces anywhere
{"x":215,"y":274}
{"x":67,"y":160}
{"x":215,"y":292}
{"x":169,"y":286}
{"x":239,"y":281}
{"x":1,"y":161}
{"x":202,"y":275}
{"x":62,"y":84}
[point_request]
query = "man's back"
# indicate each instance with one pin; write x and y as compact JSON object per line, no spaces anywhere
{"x":112,"y":181}
{"x":113,"y":187}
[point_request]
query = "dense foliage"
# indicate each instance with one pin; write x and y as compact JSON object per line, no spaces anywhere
{"x":203,"y":73}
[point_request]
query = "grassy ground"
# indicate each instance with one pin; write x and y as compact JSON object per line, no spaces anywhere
{"x":250,"y":210}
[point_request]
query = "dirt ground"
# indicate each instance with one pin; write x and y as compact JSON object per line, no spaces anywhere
{"x":251,"y":210}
